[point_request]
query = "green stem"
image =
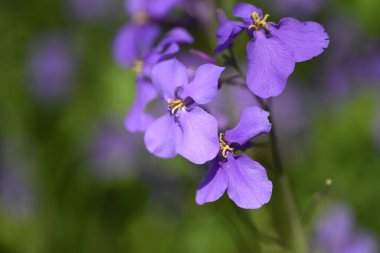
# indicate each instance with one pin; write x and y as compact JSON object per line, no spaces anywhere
{"x":285,"y":211}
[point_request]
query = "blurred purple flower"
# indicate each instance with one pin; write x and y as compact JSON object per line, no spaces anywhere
{"x":143,"y":10}
{"x":298,"y":7}
{"x":113,"y":152}
{"x":245,"y":180}
{"x":91,"y":10}
{"x":336,"y":233}
{"x":137,"y":119}
{"x":186,"y":129}
{"x":51,"y":67}
{"x":16,"y":195}
{"x":274,"y":48}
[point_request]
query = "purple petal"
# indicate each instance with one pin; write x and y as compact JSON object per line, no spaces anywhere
{"x":197,"y":139}
{"x":253,"y":122}
{"x":270,"y":62}
{"x":159,"y":9}
{"x":132,"y":42}
{"x":135,"y":6}
{"x":335,"y":227}
{"x":244,"y":10}
{"x":137,"y":120}
{"x":364,"y":242}
{"x":248,"y":184}
{"x":213,"y":185}
{"x":204,"y":86}
{"x":167,"y":76}
{"x":176,"y":35}
{"x":152,"y":58}
{"x":305,"y":39}
{"x":226,"y":34}
{"x":160,"y":137}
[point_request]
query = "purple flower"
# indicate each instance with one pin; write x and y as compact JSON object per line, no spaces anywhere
{"x":245,"y":180}
{"x":132,"y":42}
{"x":137,"y":119}
{"x":185,"y":129}
{"x":336,"y":233}
{"x":112,"y":151}
{"x":298,"y":7}
{"x":91,"y":10}
{"x":143,"y":10}
{"x":51,"y":67}
{"x":274,"y":48}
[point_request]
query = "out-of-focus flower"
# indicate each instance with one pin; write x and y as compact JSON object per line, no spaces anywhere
{"x":143,"y":10}
{"x":274,"y":48}
{"x":186,"y":129}
{"x":137,"y":37}
{"x":90,"y":10}
{"x":137,"y":119}
{"x":51,"y":67}
{"x":298,"y":7}
{"x":113,"y":152}
{"x":16,"y":195}
{"x":245,"y":180}
{"x":336,"y":233}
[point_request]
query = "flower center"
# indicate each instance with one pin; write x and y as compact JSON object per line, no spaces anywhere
{"x":137,"y":66}
{"x":224,"y":146}
{"x":175,"y":105}
{"x":140,"y":18}
{"x":258,"y":23}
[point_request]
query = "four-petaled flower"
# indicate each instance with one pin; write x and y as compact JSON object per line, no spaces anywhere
{"x":185,"y":129}
{"x":245,"y":180}
{"x":274,"y":48}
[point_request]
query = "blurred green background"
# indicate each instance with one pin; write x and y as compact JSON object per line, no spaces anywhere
{"x":59,"y":193}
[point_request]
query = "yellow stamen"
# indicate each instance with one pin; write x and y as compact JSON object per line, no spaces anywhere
{"x":258,"y":23}
{"x":224,"y":146}
{"x":175,"y":105}
{"x":137,"y":68}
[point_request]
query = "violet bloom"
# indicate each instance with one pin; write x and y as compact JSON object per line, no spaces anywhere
{"x":245,"y":180}
{"x":336,"y":233}
{"x":113,"y":152}
{"x":91,"y":10}
{"x":137,"y":119}
{"x":299,"y":7}
{"x":185,"y":129}
{"x":51,"y":67}
{"x":137,"y":37}
{"x":274,"y":48}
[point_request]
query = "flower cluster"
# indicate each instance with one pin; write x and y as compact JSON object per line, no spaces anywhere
{"x":186,"y":127}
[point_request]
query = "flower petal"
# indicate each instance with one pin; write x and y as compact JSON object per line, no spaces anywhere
{"x":197,"y":138}
{"x":305,"y":39}
{"x":226,"y":34}
{"x":160,"y":137}
{"x":159,"y":9}
{"x":253,"y":122}
{"x":244,"y":10}
{"x":204,"y":86}
{"x":248,"y":184}
{"x":270,"y":62}
{"x":167,"y":76}
{"x":135,"y":6}
{"x":132,"y":42}
{"x":175,"y":35}
{"x":213,"y":185}
{"x":137,"y":120}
